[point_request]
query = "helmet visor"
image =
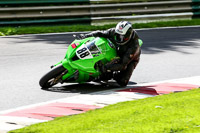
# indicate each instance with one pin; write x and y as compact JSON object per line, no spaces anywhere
{"x":123,"y":38}
{"x":120,"y":38}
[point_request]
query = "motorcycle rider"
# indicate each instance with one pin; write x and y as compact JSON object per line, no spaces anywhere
{"x":125,"y":38}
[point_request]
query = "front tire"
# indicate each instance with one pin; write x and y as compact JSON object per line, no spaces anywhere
{"x":48,"y":80}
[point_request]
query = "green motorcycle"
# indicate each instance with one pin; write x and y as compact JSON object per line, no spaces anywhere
{"x":83,"y":62}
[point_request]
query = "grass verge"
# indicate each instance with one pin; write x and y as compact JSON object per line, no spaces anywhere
{"x":173,"y":113}
{"x":4,"y":31}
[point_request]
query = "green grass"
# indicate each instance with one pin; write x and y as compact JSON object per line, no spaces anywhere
{"x":173,"y":113}
{"x":75,"y":28}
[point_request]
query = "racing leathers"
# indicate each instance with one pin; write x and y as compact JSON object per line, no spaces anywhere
{"x":129,"y":54}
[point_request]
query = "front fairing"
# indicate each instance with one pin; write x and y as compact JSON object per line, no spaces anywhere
{"x":82,"y":55}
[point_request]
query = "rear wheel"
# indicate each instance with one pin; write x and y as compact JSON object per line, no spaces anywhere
{"x":52,"y":77}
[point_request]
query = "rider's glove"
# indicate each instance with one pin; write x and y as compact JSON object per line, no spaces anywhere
{"x":82,"y":36}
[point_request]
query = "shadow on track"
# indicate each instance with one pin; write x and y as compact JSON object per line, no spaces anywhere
{"x":155,"y":40}
{"x":172,"y":39}
{"x":85,"y":88}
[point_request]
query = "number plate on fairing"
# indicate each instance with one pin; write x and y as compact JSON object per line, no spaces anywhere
{"x":83,"y":53}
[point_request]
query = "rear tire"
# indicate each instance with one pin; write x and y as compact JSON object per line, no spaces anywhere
{"x":47,"y":80}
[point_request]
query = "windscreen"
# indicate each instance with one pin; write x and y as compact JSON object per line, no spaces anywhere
{"x":92,"y":47}
{"x":87,"y":51}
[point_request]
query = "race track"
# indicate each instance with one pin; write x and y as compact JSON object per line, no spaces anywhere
{"x":166,"y":54}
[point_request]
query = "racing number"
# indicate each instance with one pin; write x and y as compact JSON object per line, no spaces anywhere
{"x":81,"y":50}
{"x":83,"y":53}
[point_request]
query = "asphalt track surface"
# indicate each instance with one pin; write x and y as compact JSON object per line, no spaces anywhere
{"x":166,"y":54}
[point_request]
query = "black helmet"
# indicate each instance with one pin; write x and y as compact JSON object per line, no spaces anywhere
{"x":123,"y":32}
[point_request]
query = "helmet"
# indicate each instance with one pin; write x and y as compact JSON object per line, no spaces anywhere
{"x":123,"y":32}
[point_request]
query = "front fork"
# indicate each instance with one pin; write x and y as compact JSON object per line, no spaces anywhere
{"x":69,"y":70}
{"x":58,"y":78}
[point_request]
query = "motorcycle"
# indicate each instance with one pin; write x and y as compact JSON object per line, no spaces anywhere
{"x":83,"y":62}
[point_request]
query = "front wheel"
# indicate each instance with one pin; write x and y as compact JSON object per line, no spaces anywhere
{"x":52,"y":77}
